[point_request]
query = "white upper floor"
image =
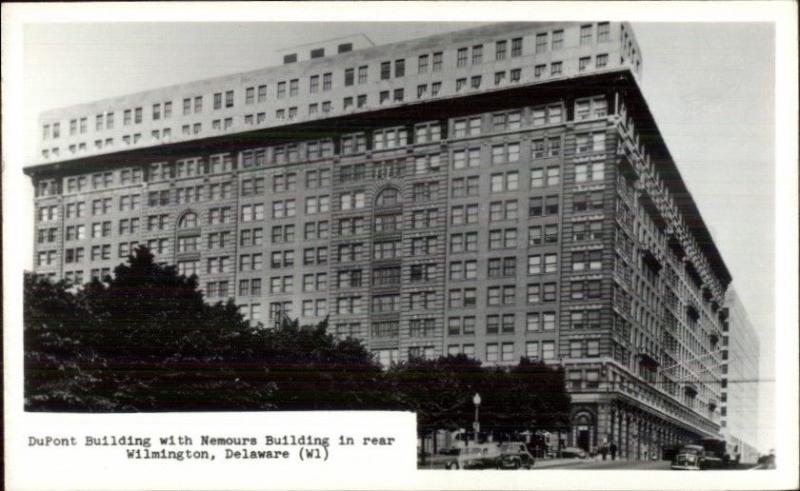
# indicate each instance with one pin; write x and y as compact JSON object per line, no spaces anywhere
{"x":340,"y":77}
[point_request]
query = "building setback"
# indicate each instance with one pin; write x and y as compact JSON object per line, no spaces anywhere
{"x":501,"y":192}
{"x":740,"y":380}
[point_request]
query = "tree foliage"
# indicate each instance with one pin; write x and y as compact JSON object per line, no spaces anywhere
{"x":145,"y":340}
{"x":441,"y":391}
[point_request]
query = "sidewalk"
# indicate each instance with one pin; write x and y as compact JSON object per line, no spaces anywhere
{"x":563,"y":462}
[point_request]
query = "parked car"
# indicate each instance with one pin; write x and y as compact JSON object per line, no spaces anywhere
{"x":573,"y":453}
{"x":689,"y":458}
{"x":484,"y":456}
{"x":514,"y":455}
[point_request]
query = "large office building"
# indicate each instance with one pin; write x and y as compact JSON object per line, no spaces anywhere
{"x":740,"y":380}
{"x":501,"y":191}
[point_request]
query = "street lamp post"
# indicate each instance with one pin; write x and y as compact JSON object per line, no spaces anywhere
{"x":476,"y":426}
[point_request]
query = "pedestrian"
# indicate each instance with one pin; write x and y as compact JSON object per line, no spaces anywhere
{"x":613,"y":449}
{"x":604,"y":451}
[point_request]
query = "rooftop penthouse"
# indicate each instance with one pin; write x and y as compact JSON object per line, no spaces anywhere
{"x":338,"y":78}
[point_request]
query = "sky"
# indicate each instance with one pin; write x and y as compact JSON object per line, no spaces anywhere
{"x":709,"y":86}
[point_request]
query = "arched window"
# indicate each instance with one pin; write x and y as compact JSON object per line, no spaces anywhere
{"x":388,"y":197}
{"x":188,"y":220}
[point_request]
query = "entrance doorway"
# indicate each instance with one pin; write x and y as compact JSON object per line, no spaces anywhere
{"x":582,"y":425}
{"x":584,"y":437}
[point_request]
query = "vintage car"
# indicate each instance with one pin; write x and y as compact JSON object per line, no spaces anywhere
{"x":482,"y":456}
{"x":514,"y":455}
{"x":689,"y":458}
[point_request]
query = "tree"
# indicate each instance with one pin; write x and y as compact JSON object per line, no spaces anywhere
{"x":314,"y":370}
{"x":145,"y":340}
{"x":513,"y":400}
{"x":61,"y":366}
{"x":440,"y":390}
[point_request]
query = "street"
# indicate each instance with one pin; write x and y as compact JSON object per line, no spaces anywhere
{"x":581,"y":464}
{"x":596,"y":464}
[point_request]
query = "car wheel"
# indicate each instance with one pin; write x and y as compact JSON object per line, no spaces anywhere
{"x":516,"y":464}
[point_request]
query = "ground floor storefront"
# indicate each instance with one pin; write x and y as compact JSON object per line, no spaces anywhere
{"x":630,"y":430}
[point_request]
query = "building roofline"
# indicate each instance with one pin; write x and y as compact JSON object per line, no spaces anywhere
{"x":674,"y":181}
{"x":456,"y":35}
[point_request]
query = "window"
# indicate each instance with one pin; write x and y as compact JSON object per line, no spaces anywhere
{"x":549,"y":292}
{"x":588,"y":201}
{"x":283,"y":209}
{"x":437,"y":62}
{"x":590,"y":108}
{"x":386,"y":70}
{"x":548,"y":350}
{"x":362,"y":74}
{"x":501,"y":182}
{"x":555,"y":68}
{"x":583,"y":63}
{"x":601,"y":61}
{"x":313,"y":84}
{"x":351,"y":200}
{"x":386,"y":276}
{"x":541,"y":42}
{"x":491,"y":352}
{"x":586,"y":34}
{"x":575,"y":351}
{"x":294,"y":86}
{"x":386,"y":249}
{"x":558,"y":40}
{"x":508,"y":352}
{"x":188,"y":220}
{"x":461,"y":59}
{"x":603,"y":32}
{"x":400,"y":68}
{"x":477,"y":54}
{"x":281,"y":93}
{"x":475,"y":82}
{"x":589,"y":172}
{"x":435,"y":88}
{"x":588,"y":230}
{"x":587,"y":260}
{"x":500,"y":50}
{"x":505,"y":153}
{"x":516,"y":47}
{"x":422,"y":64}
{"x":349,"y":77}
{"x":507,"y":121}
{"x":592,"y":376}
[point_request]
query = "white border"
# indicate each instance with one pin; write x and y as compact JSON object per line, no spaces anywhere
{"x":783,"y":14}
